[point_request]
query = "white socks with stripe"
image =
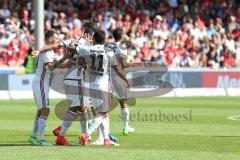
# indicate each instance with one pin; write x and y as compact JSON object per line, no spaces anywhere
{"x":41,"y":127}
{"x":125,"y":117}
{"x":66,"y":123}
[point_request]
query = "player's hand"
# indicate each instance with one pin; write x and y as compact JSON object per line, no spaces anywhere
{"x":34,"y":53}
{"x":81,"y":34}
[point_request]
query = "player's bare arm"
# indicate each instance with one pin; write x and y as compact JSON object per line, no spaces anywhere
{"x":63,"y":44}
{"x":45,"y":48}
{"x":65,"y":64}
{"x":48,"y":65}
{"x":72,"y":50}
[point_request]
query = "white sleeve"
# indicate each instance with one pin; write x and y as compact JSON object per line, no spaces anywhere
{"x":122,"y":53}
{"x":48,"y":57}
{"x":83,"y":49}
{"x":113,"y":59}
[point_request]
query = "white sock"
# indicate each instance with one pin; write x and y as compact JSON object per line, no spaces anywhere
{"x":105,"y":128}
{"x":100,"y":135}
{"x":41,"y":127}
{"x":35,"y":126}
{"x":125,"y":117}
{"x":107,"y":123}
{"x":68,"y":119}
{"x":95,"y":124}
{"x":83,"y":122}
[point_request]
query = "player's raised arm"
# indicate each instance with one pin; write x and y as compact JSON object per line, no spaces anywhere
{"x":44,"y":49}
{"x":63,"y":44}
{"x":75,"y":47}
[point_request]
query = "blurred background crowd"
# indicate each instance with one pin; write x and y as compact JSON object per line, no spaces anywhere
{"x":175,"y":33}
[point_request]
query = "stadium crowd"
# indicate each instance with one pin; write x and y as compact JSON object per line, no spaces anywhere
{"x":175,"y":33}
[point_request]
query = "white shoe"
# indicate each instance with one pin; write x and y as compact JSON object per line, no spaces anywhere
{"x":98,"y":142}
{"x":115,"y":144}
{"x":130,"y":129}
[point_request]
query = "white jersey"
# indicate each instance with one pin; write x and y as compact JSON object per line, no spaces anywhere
{"x":99,"y":61}
{"x":42,"y":73}
{"x":41,"y":81}
{"x":118,"y":84}
{"x":97,"y":75}
{"x":76,"y":73}
{"x":120,"y":51}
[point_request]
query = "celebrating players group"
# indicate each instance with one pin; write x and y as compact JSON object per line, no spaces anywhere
{"x":96,"y":70}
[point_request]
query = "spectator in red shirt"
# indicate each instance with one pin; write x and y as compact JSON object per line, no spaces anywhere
{"x":166,"y":26}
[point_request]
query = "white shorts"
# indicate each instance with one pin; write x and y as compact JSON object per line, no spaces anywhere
{"x":74,"y":92}
{"x":98,"y":96}
{"x":41,"y":93}
{"x":119,"y":87}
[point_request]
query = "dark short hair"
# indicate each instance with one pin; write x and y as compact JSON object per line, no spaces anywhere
{"x":89,"y":31}
{"x":49,"y":34}
{"x":90,"y":24}
{"x":117,"y":34}
{"x":99,"y":37}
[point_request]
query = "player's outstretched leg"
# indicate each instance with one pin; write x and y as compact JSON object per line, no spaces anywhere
{"x":97,"y":120}
{"x":104,"y":126}
{"x":100,"y":139}
{"x":66,"y":123}
{"x":83,"y":120}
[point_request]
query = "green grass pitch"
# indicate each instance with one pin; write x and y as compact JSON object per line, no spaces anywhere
{"x":203,"y":132}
